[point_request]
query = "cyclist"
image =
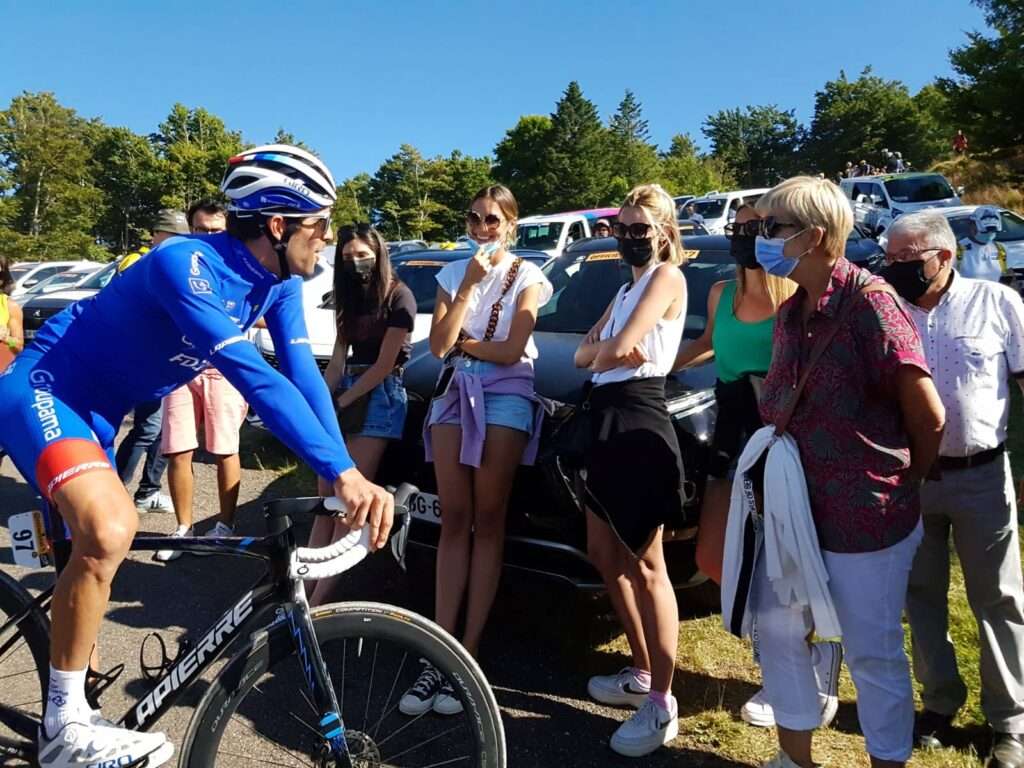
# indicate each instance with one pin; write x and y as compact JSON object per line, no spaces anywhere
{"x":185,"y":306}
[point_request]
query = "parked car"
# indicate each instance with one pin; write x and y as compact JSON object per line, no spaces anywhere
{"x":1011,"y":236}
{"x":716,"y":209}
{"x":400,"y":246}
{"x":878,"y":200}
{"x":59,"y":282}
{"x":27,"y":274}
{"x":39,"y":309}
{"x":554,"y":233}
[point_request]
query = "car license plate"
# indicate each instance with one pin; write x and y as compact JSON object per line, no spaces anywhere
{"x":28,"y":539}
{"x":425,"y":506}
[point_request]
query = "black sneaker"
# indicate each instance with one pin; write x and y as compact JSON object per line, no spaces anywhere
{"x":931,"y":730}
{"x":420,"y":698}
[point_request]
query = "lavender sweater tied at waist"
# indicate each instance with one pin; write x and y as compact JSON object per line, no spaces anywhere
{"x":465,"y":399}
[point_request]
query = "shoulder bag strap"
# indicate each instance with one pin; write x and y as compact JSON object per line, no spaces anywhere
{"x":510,"y":278}
{"x":819,"y":349}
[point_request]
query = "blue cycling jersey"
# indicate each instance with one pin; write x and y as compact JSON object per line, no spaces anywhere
{"x":184,"y":306}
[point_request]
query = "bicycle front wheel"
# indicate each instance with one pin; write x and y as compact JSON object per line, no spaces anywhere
{"x":24,"y":660}
{"x":258,"y":710}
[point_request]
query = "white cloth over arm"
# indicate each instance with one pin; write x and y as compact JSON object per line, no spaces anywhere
{"x":789,"y":542}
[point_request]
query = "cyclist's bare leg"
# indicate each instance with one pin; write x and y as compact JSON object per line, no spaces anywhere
{"x":455,"y":490}
{"x":102,"y":518}
{"x":366,"y":452}
{"x":180,"y":483}
{"x":612,"y":561}
{"x":492,"y":484}
{"x":229,"y":479}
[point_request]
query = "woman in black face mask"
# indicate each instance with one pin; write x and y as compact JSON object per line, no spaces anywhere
{"x":738,"y":336}
{"x":374,"y":313}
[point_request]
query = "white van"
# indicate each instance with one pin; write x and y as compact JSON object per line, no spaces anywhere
{"x":716,"y":209}
{"x":553,"y":233}
{"x":878,"y":200}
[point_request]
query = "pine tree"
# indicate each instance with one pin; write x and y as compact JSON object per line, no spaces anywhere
{"x":576,"y":161}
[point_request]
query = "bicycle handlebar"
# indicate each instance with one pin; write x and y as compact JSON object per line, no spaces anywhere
{"x":310,"y":563}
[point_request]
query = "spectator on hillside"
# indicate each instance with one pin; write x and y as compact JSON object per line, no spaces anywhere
{"x":864,"y":168}
{"x":374,"y":314}
{"x":144,"y":437}
{"x":960,"y":142}
{"x":893,"y":163}
{"x":211,"y":400}
{"x":634,"y":471}
{"x":978,"y":254}
{"x":866,"y":429}
{"x":973,"y":335}
{"x":482,"y":424}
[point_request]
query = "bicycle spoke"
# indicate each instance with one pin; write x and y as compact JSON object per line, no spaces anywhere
{"x":384,"y":710}
{"x":251,"y":759}
{"x":289,"y":712}
{"x":369,"y":688}
{"x":423,"y":744}
{"x":15,"y":674}
{"x":284,"y":749}
{"x":447,"y":762}
{"x":411,"y":722}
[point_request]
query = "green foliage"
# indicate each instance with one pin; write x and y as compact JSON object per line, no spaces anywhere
{"x":857,"y":119}
{"x":985,"y":97}
{"x":126,"y":168}
{"x":519,"y":162}
{"x":685,"y":172}
{"x":632,"y":155}
{"x":576,"y":162}
{"x":353,"y":204}
{"x":759,"y":145}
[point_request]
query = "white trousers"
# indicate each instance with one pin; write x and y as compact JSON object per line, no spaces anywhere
{"x":868,"y":590}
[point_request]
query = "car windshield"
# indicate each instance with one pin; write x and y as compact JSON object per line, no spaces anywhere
{"x":53,"y":282}
{"x":919,"y":189}
{"x":419,"y":275}
{"x":20,"y":270}
{"x":709,"y":209}
{"x":583,"y":288}
{"x":100,"y":279}
{"x":539,"y":237}
{"x":1012,"y":231}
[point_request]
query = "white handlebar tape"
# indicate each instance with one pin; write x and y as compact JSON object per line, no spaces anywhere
{"x":328,"y":561}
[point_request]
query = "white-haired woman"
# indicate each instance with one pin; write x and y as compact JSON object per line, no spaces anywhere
{"x":867,"y":425}
{"x":634,"y":472}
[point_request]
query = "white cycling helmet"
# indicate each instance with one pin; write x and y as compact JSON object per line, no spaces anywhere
{"x":278,"y":179}
{"x":987,"y":219}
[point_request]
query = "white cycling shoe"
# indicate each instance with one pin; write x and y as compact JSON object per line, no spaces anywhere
{"x":87,"y":745}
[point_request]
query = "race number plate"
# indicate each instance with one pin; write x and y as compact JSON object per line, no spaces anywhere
{"x":426,"y":506}
{"x":28,"y":539}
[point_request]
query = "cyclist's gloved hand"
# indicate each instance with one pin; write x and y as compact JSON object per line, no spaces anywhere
{"x":366,"y":503}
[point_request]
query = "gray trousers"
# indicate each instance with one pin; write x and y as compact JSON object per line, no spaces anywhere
{"x":979,"y":505}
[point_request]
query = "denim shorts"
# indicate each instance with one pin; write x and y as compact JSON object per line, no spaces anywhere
{"x":512,"y":411}
{"x":385,"y":416}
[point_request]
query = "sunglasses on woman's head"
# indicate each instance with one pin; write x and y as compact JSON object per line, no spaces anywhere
{"x":638,"y":230}
{"x":750,"y":228}
{"x":475,"y":219}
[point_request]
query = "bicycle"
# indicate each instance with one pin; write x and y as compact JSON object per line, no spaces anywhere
{"x":278,"y":685}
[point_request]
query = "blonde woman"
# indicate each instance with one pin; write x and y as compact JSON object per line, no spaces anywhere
{"x":484,"y":421}
{"x":634,"y":471}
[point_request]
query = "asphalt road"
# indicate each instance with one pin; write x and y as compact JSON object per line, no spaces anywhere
{"x":537,"y":654}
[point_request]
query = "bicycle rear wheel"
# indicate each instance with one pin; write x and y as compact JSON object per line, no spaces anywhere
{"x":258,"y":711}
{"x":24,"y":662}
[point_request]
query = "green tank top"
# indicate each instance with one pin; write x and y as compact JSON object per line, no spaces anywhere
{"x":740,"y":348}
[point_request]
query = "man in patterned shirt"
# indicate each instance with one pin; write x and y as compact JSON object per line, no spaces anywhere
{"x":973,"y":336}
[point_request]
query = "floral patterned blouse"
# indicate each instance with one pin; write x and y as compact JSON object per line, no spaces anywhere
{"x":848,"y":425}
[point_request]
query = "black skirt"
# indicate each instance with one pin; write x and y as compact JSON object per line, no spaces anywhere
{"x":737,"y":419}
{"x":635,"y":474}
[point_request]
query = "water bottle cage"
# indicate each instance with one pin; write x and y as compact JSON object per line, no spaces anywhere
{"x":154,"y":672}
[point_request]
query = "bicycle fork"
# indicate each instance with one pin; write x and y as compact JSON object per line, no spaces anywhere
{"x":318,"y":679}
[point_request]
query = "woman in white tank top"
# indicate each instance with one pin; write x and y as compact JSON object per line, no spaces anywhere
{"x":634,"y":474}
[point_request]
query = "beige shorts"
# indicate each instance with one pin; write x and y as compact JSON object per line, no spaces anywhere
{"x":208,"y":399}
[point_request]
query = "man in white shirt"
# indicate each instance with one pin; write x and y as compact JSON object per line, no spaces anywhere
{"x":979,"y":255}
{"x":973,"y":336}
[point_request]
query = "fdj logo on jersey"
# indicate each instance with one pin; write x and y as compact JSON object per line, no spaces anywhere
{"x":43,"y":405}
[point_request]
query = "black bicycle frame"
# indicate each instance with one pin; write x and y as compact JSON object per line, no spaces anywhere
{"x":274,"y":590}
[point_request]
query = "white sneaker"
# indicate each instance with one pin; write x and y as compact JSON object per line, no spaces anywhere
{"x":446,"y":702}
{"x":649,"y":727}
{"x":166,"y":555}
{"x":619,"y":689}
{"x":423,"y":693}
{"x":781,"y":760}
{"x":156,"y":502}
{"x":85,"y":745}
{"x":828,"y":659}
{"x":219,"y":531}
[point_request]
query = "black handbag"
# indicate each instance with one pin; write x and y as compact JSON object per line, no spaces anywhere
{"x":571,"y":439}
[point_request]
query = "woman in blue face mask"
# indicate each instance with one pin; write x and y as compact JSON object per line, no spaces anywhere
{"x":867,"y":427}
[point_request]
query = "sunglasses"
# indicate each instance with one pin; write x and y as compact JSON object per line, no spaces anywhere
{"x":750,"y":228}
{"x":910,"y":254}
{"x":637,"y":230}
{"x":321,"y":225}
{"x":474,"y":219}
{"x":770,"y":226}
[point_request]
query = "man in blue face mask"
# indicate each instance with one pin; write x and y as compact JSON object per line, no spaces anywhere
{"x":979,"y":255}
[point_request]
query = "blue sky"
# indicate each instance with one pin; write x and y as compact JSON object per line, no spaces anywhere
{"x":355,"y":80}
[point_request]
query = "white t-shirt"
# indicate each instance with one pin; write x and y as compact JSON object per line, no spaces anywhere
{"x":488,"y":290}
{"x":660,"y":345}
{"x":980,"y":262}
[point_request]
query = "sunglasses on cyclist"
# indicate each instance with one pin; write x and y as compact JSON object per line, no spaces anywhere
{"x":637,"y":230}
{"x":769,"y":226}
{"x":750,"y":228}
{"x":474,"y":219}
